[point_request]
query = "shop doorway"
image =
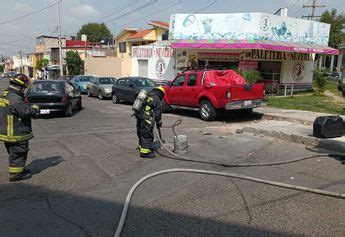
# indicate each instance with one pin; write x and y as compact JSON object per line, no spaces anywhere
{"x":270,"y":72}
{"x":143,"y":68}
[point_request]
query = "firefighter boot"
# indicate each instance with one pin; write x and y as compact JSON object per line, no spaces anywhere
{"x":151,"y":154}
{"x":26,"y":174}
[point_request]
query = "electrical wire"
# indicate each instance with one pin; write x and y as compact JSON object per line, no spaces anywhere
{"x":204,"y":8}
{"x":151,"y":2}
{"x":30,"y":14}
{"x":150,"y":15}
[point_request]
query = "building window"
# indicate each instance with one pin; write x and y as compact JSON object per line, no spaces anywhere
{"x":165,"y":36}
{"x":122,"y":47}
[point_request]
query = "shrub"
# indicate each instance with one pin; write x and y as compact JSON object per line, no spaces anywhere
{"x":320,"y":82}
{"x":251,"y":76}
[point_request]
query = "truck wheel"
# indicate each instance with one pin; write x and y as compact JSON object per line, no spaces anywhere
{"x":166,"y":108}
{"x":207,"y":111}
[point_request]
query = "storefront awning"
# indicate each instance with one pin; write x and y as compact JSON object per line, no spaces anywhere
{"x":253,"y":44}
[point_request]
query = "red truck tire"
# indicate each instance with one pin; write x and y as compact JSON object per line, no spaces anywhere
{"x":207,"y":111}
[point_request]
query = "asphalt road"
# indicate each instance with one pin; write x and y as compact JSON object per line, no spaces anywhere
{"x":84,"y":166}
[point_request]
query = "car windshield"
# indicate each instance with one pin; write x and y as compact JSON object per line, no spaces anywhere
{"x":48,"y":87}
{"x":84,"y":79}
{"x":106,"y":80}
{"x":143,"y":82}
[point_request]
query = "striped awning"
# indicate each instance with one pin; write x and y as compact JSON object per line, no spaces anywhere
{"x":253,"y":44}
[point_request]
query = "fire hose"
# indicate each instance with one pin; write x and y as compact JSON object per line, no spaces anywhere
{"x":217,"y":173}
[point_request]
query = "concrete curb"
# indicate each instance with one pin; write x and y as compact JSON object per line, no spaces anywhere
{"x":329,"y":144}
{"x":293,"y":120}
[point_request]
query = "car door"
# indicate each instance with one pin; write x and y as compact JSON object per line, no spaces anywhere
{"x":94,"y":86}
{"x":119,"y":88}
{"x":176,"y":90}
{"x":189,"y":93}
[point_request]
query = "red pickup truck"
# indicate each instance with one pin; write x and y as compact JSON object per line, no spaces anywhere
{"x":213,"y":90}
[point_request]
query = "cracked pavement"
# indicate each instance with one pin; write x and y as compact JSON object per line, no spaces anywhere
{"x":84,"y":166}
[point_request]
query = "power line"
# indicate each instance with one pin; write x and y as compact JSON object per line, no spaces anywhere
{"x":115,"y":11}
{"x":204,"y":8}
{"x":150,"y":15}
{"x":29,"y":14}
{"x":151,"y":2}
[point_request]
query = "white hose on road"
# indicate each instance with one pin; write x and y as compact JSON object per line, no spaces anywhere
{"x":210,"y":172}
{"x":224,"y":174}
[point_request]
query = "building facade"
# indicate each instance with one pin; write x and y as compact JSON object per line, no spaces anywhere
{"x":281,"y":48}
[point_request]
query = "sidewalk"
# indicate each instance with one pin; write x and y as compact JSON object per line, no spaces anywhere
{"x":294,"y":126}
{"x":295,"y":116}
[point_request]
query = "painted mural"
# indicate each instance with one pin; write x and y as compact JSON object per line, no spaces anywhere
{"x":247,"y":26}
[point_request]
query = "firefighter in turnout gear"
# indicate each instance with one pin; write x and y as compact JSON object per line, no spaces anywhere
{"x":15,"y":126}
{"x":149,"y":115}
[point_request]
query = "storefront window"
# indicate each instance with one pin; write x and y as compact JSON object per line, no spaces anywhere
{"x":270,"y":70}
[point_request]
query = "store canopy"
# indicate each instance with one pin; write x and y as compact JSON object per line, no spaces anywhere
{"x":253,"y":44}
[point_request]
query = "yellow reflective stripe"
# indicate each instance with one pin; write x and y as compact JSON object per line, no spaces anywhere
{"x":148,"y":121}
{"x":144,"y":150}
{"x":16,"y":138}
{"x":149,"y":99}
{"x":15,"y":169}
{"x":10,"y":125}
{"x":4,"y":102}
{"x":19,"y":81}
{"x":147,"y":108}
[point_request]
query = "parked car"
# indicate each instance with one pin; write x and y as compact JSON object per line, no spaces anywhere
{"x":162,"y":83}
{"x":100,"y":87}
{"x":54,"y":96}
{"x":80,"y":81}
{"x":8,"y":74}
{"x":127,"y":88}
{"x":213,"y":90}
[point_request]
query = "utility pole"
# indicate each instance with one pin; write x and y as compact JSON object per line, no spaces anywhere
{"x":60,"y":43}
{"x":313,"y":6}
{"x":21,"y":62}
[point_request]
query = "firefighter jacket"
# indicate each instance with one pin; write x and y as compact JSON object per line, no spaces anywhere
{"x":151,"y":110}
{"x":15,"y":118}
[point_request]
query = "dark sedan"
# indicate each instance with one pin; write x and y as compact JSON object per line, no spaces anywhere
{"x":127,"y":88}
{"x":54,"y":96}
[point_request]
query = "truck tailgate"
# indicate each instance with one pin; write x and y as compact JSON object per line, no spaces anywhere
{"x":247,"y":91}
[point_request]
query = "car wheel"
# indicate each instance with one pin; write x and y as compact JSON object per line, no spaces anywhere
{"x":100,"y":95}
{"x":88,"y":93}
{"x":115,"y":99}
{"x":69,"y":111}
{"x":80,"y":105}
{"x":207,"y":111}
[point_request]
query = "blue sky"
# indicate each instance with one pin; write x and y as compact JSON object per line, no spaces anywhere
{"x":20,"y":35}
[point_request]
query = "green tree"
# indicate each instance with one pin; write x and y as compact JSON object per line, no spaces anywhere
{"x":42,"y":63}
{"x":1,"y":68}
{"x":95,"y":32}
{"x":337,"y":22}
{"x":73,"y":62}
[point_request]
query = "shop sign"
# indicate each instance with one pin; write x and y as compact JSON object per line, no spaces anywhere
{"x":298,"y":71}
{"x":152,"y":52}
{"x":258,"y":54}
{"x":248,"y":65}
{"x":160,"y":68}
{"x":218,"y":56}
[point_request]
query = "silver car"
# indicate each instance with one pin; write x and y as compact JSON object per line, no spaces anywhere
{"x":100,"y":87}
